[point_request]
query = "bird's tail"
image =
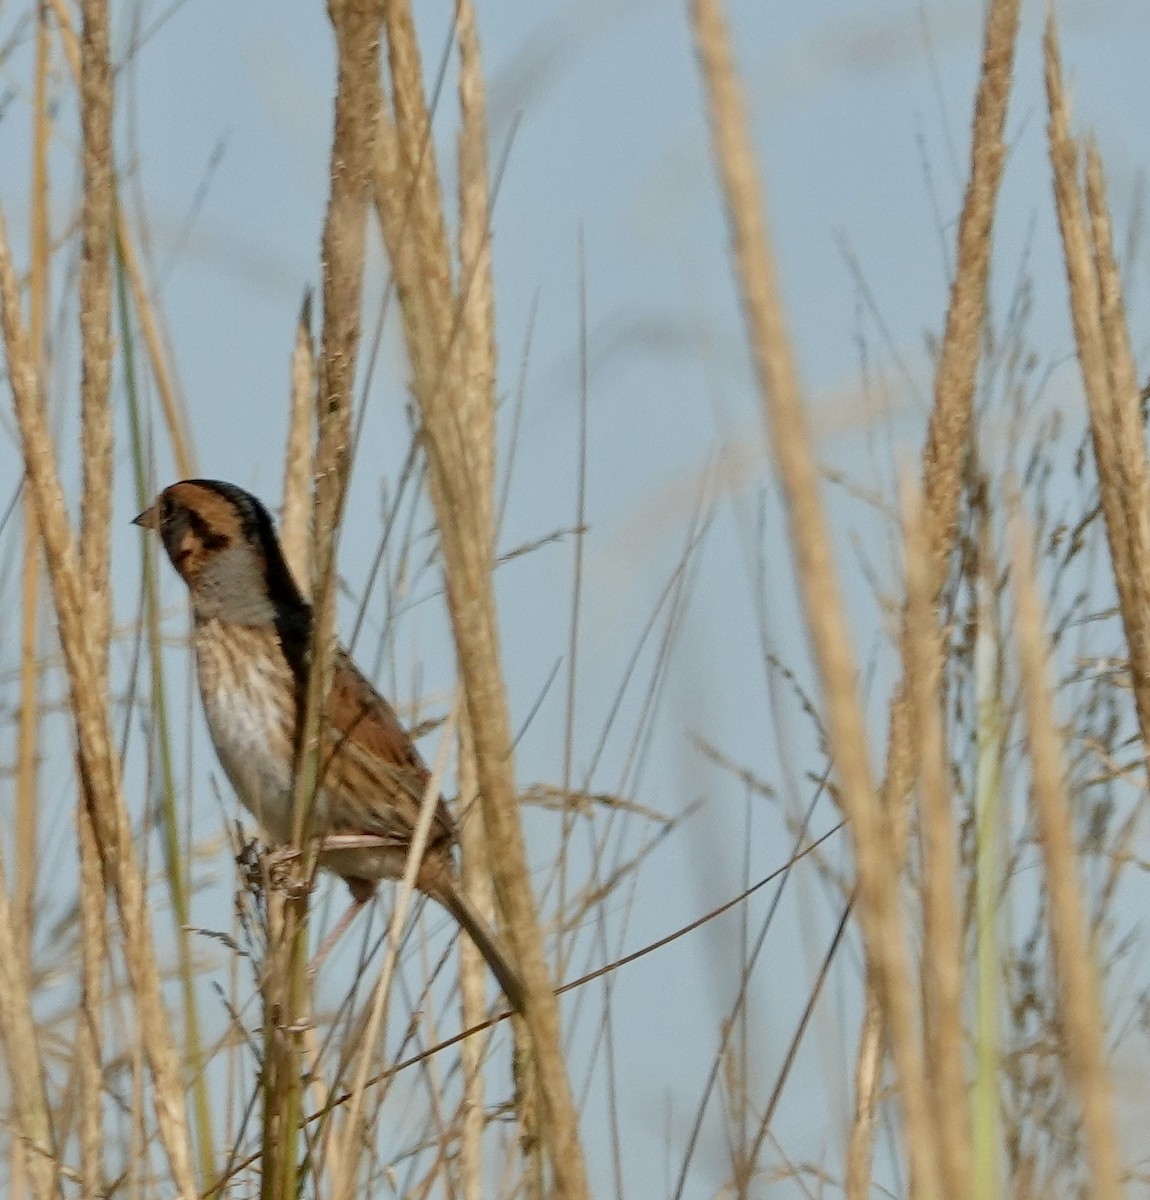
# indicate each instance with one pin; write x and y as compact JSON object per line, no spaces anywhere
{"x":448,"y":893}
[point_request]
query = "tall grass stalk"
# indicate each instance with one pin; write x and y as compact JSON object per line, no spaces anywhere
{"x":880,"y":915}
{"x":161,"y":734}
{"x":96,"y":437}
{"x":159,"y":1075}
{"x":457,"y":410}
{"x":986,"y":1139}
{"x":1080,"y":1003}
{"x":98,"y":762}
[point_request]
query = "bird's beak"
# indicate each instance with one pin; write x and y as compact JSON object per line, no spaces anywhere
{"x":148,"y":519}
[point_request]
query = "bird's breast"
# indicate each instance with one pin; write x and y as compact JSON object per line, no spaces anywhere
{"x":249,"y":702}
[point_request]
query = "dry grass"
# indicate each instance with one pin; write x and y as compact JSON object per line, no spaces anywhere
{"x":942,"y":958}
{"x":945,"y":458}
{"x":996,"y":995}
{"x":1079,"y":999}
{"x":448,"y":330}
{"x":1112,"y":392}
{"x":787,"y":432}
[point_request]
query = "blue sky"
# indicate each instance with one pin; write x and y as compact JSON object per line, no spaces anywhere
{"x":861,"y":115}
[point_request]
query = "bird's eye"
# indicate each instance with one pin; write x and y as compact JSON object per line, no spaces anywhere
{"x":208,"y":536}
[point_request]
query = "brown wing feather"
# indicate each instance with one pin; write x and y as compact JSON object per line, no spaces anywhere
{"x":357,"y":710}
{"x":372,"y":743}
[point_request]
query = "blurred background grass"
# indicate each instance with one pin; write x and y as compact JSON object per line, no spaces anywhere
{"x":671,"y":724}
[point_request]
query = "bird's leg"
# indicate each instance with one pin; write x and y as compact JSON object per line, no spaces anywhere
{"x":281,"y":869}
{"x":361,"y":894}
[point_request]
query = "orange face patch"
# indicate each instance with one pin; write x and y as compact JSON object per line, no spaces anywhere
{"x":216,"y":512}
{"x":195,"y":522}
{"x":185,"y":552}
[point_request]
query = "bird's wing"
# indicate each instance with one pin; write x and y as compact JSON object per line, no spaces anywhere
{"x":374,"y":761}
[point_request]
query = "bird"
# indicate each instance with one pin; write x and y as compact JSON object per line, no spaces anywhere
{"x":252,"y":632}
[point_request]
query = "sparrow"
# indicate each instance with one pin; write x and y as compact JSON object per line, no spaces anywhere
{"x":252,"y":632}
